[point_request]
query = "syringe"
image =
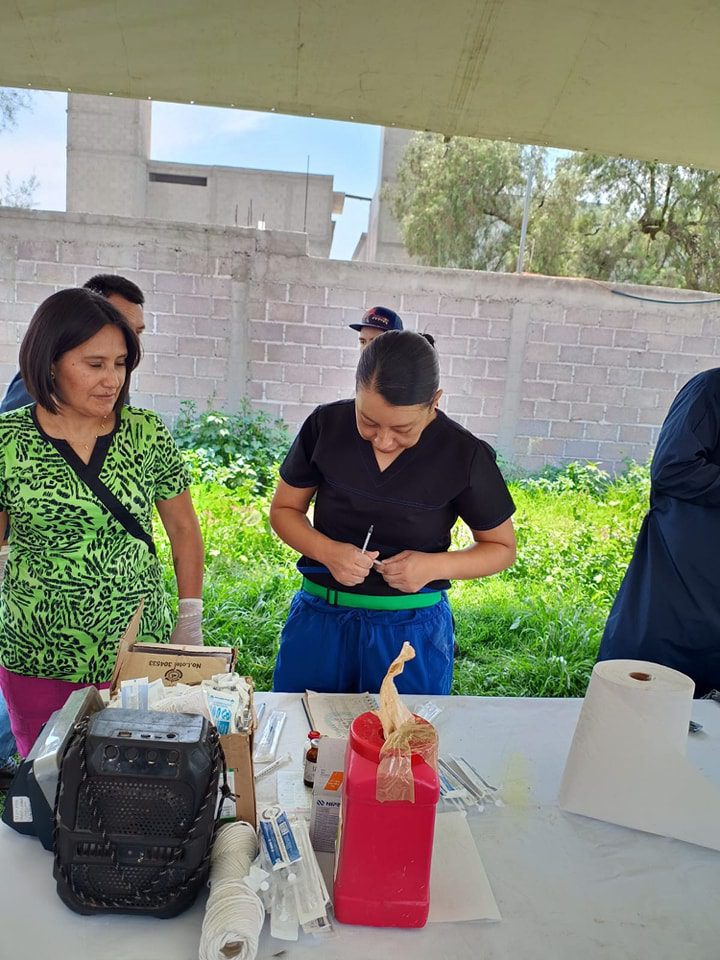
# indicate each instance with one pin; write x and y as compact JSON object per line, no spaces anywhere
{"x":272,"y":767}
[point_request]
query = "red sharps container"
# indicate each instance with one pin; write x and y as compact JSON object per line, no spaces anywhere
{"x":382,"y":876}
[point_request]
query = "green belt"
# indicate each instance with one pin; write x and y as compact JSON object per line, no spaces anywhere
{"x":338,"y":598}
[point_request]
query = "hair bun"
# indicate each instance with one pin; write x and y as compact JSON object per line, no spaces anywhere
{"x":429,"y":337}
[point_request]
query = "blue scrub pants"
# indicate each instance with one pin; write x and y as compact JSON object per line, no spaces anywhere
{"x":334,"y":649}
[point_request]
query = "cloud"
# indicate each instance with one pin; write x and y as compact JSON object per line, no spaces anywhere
{"x":185,"y":134}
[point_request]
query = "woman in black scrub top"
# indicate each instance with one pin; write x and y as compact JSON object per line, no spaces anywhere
{"x":390,"y":460}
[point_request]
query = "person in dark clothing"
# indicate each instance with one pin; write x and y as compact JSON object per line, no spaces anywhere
{"x":122,"y":293}
{"x":375,"y":321}
{"x":390,"y":474}
{"x":668,"y":607}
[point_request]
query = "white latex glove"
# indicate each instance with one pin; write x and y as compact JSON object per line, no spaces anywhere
{"x":188,"y":627}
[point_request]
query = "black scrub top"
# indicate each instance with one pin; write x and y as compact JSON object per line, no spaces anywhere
{"x":668,"y":607}
{"x":413,"y":504}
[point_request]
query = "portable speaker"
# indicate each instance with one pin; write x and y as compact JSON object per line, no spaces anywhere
{"x":136,"y":812}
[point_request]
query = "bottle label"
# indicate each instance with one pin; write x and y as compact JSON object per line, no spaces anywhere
{"x":310,"y":768}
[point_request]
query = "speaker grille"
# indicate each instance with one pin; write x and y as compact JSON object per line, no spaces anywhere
{"x":102,"y":881}
{"x":134,"y":809}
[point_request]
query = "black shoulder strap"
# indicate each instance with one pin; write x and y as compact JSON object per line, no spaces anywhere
{"x":121,"y":513}
{"x":88,"y":473}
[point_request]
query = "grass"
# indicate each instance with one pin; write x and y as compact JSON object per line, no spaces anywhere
{"x":533,"y":630}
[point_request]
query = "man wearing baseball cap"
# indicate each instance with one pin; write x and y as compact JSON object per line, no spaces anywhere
{"x":375,"y":321}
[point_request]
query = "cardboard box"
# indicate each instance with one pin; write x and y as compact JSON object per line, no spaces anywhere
{"x":238,"y":756}
{"x":174,"y":663}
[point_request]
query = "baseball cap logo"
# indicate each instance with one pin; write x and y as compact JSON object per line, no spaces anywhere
{"x":371,"y":315}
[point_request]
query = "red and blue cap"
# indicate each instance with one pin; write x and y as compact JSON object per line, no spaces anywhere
{"x":382,"y":318}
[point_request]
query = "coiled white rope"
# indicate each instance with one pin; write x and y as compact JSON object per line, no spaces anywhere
{"x":234,"y":915}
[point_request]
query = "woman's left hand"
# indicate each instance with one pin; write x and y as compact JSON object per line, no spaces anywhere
{"x":408,"y":571}
{"x":188,"y":627}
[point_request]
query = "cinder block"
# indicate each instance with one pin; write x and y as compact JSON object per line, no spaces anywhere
{"x":494,"y":309}
{"x":153,"y":383}
{"x":456,"y":306}
{"x":170,"y":365}
{"x":585,"y":373}
{"x":174,"y":283}
{"x":328,"y":316}
{"x":60,"y":274}
{"x":215,"y":367}
{"x":301,"y":333}
{"x":169,"y":323}
{"x":469,"y":327}
{"x":266,"y":331}
{"x":601,"y":431}
{"x":212,"y":327}
{"x":304,"y":373}
{"x":542,"y":352}
{"x":342,"y":297}
{"x":157,"y":258}
{"x":33,"y":293}
{"x":194,"y":306}
{"x":584,"y":449}
{"x":283,"y":392}
{"x":625,"y":376}
{"x":196,"y":346}
{"x":266,"y":371}
{"x":114,"y":258}
{"x":592,"y":412}
{"x":332,"y":377}
{"x":300,"y":293}
{"x":596,"y":336}
{"x":46,"y":250}
{"x":416,"y":303}
{"x":554,"y":333}
{"x":286,"y":312}
{"x":570,"y":391}
{"x":552,"y":410}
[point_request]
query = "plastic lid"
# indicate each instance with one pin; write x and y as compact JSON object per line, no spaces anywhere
{"x":366,"y":737}
{"x":314,"y":735}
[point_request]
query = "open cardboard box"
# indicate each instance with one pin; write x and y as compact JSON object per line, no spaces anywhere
{"x":175,"y":663}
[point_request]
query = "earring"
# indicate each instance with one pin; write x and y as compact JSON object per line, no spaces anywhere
{"x":52,"y":374}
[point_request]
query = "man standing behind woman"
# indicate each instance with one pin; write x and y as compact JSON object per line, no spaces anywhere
{"x":80,"y":473}
{"x":390,"y":474}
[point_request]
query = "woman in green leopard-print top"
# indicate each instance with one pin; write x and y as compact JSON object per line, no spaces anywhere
{"x":80,"y":474}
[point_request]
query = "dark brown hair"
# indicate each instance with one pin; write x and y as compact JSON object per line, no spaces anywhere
{"x":402,"y":366}
{"x":65,"y":320}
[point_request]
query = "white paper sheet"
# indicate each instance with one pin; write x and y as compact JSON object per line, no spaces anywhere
{"x":459,"y":886}
{"x":627,"y":762}
{"x":332,"y":713}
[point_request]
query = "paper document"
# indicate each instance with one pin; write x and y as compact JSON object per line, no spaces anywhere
{"x":459,"y":886}
{"x":332,"y":713}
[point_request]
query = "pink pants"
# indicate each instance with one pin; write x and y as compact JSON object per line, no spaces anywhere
{"x":31,"y":700}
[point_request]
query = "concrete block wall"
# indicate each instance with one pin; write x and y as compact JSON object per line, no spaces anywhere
{"x":548,"y":370}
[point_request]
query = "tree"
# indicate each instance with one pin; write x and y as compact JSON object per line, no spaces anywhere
{"x":459,"y":204}
{"x":12,"y":194}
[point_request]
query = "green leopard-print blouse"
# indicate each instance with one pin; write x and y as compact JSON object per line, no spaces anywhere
{"x":74,"y":576}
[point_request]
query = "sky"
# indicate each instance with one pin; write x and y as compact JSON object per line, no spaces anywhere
{"x":349,"y":152}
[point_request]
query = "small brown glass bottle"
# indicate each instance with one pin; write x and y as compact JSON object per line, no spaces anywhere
{"x":311,"y":754}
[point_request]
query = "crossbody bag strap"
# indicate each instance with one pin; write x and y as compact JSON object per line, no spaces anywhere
{"x":121,"y":513}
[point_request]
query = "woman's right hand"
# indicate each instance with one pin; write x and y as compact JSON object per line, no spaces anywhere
{"x":348,"y":564}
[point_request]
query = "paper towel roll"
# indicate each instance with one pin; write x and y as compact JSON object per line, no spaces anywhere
{"x":627,"y":762}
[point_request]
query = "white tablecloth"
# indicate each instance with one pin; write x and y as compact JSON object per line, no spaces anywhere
{"x":568,"y":888}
